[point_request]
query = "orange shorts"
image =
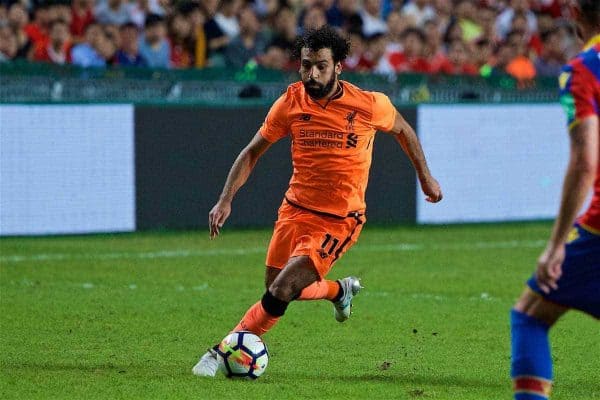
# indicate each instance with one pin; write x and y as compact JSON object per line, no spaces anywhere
{"x":324,"y":238}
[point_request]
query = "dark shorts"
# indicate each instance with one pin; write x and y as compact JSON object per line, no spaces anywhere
{"x":579,"y":284}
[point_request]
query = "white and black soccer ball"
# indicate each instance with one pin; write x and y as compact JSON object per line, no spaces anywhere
{"x":242,"y":355}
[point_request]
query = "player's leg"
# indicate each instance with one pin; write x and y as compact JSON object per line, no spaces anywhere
{"x":535,"y":313}
{"x":270,"y":275}
{"x":283,"y":286}
{"x":329,"y":240}
{"x":531,"y":363}
{"x":298,"y":273}
{"x":324,"y":289}
{"x":340,"y":292}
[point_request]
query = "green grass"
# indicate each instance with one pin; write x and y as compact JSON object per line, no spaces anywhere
{"x":126,"y":316}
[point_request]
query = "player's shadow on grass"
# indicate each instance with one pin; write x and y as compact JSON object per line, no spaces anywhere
{"x":67,"y":366}
{"x":431,"y":380}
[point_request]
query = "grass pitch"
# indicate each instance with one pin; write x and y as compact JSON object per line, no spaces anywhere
{"x":126,"y":316}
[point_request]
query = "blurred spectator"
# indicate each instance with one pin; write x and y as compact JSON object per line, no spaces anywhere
{"x":520,"y":66}
{"x":128,"y":54}
{"x":434,"y":51}
{"x":108,"y":43}
{"x":458,"y":62}
{"x":484,"y":56}
{"x":486,"y":18}
{"x":313,"y":18}
{"x":112,"y":12}
{"x":412,"y":58}
{"x":57,"y":49}
{"x":556,"y":9}
{"x":396,"y":24}
{"x":284,"y":33}
{"x":420,"y":11}
{"x":571,"y":43}
{"x":18,"y":21}
{"x":376,"y":59}
{"x":531,"y":39}
{"x":249,"y":44}
{"x":266,"y":9}
{"x":334,"y":15}
{"x":552,"y":57}
{"x":196,"y":16}
{"x":276,"y":57}
{"x":545,"y":22}
{"x":216,"y":39}
{"x":81,"y":16}
{"x":113,"y":33}
{"x":139,"y":9}
{"x":8,"y":44}
{"x":36,"y":30}
{"x":453,"y":32}
{"x":357,"y":49}
{"x":371,"y":18}
{"x":60,"y":10}
{"x":504,"y":19}
{"x":444,"y":16}
{"x":182,"y":44}
{"x":86,"y":54}
{"x":466,"y":14}
{"x":350,"y":15}
{"x":454,"y":36}
{"x":154,"y":46}
{"x":227,"y":19}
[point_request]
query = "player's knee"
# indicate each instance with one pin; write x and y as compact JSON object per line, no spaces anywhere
{"x":535,"y":306}
{"x":284,"y":291}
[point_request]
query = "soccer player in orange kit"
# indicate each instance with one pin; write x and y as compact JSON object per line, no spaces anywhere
{"x":332,"y":124}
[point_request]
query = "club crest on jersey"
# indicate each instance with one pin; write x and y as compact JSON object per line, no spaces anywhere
{"x":352,"y":138}
{"x":350,"y":118}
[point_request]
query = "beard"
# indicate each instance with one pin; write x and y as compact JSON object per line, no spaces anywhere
{"x":317,"y":90}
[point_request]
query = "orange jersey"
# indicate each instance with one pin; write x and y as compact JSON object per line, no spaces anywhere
{"x":332,"y":144}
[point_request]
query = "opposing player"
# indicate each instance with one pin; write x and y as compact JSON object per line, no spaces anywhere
{"x":332,"y":124}
{"x":568,"y":272}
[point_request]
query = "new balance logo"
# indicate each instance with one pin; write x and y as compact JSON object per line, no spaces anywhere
{"x":352,"y":140}
{"x":305,"y":117}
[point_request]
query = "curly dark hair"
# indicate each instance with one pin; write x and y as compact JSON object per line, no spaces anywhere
{"x":323,"y":38}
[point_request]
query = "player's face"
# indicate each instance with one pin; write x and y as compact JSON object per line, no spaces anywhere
{"x":319,"y":72}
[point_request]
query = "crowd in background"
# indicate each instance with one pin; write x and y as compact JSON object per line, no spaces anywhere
{"x":524,"y":38}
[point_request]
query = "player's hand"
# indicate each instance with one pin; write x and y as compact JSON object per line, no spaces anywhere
{"x":217,"y":216}
{"x":549,"y":267}
{"x":432,"y":189}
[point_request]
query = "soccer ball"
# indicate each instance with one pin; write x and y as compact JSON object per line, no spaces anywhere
{"x":242,"y":355}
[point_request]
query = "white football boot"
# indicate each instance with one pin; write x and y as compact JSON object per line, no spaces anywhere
{"x":350,"y":288}
{"x":208,"y":364}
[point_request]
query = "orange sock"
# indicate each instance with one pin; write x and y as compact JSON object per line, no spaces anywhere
{"x":256,"y":320}
{"x":324,"y":289}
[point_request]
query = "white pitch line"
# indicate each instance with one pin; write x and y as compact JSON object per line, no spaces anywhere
{"x":400,"y":247}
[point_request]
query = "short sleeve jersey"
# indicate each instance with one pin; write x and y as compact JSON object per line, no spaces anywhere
{"x":579,"y":84}
{"x":332,"y":144}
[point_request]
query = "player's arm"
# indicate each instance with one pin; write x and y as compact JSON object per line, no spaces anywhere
{"x":405,"y":135}
{"x":239,"y":173}
{"x":579,"y":178}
